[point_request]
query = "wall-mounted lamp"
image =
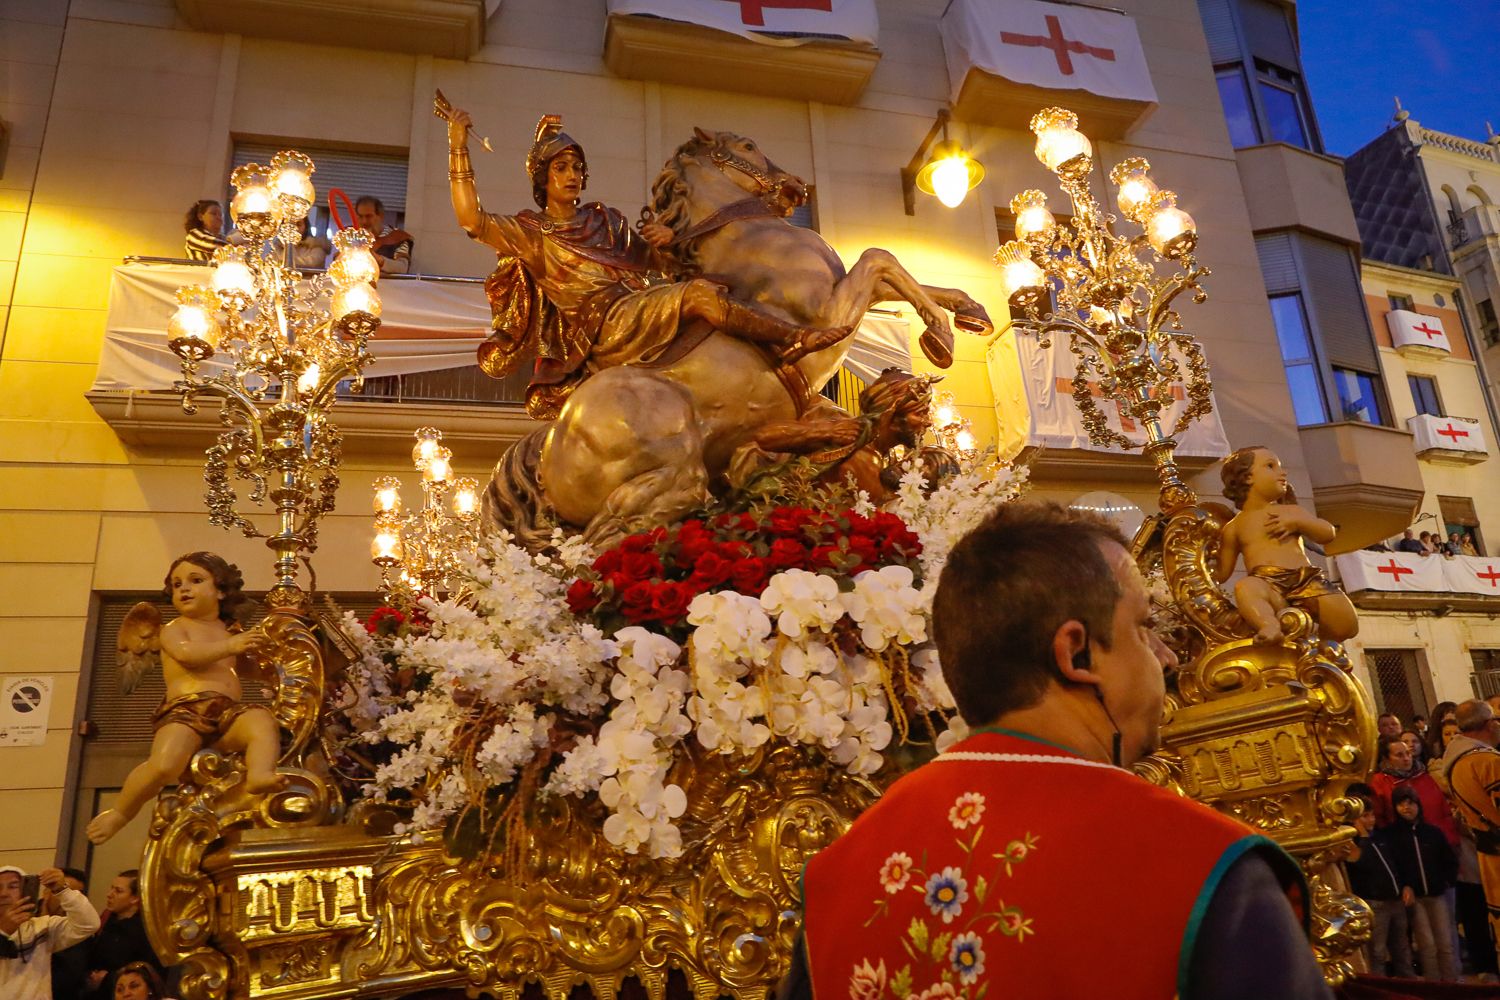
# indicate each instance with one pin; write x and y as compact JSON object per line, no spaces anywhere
{"x":949,"y":173}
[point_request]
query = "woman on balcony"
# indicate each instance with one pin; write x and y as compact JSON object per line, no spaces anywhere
{"x":204,"y":225}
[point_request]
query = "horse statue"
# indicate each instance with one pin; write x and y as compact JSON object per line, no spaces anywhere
{"x":637,"y":446}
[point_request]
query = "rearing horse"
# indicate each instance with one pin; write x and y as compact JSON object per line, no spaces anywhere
{"x":638,"y":446}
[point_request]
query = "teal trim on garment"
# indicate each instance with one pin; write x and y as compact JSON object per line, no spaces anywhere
{"x":1231,"y":854}
{"x":1002,"y":731}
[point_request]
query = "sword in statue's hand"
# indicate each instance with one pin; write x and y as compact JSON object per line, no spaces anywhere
{"x":443,"y":108}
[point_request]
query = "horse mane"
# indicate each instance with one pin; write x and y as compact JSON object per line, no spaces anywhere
{"x":669,"y":204}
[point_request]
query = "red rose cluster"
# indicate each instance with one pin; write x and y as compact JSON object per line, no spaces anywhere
{"x":653,"y":577}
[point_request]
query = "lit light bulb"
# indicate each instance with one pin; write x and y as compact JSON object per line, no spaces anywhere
{"x":964,"y":440}
{"x":233,"y":279}
{"x":1171,"y":231}
{"x":1024,"y":282}
{"x":354,"y":266}
{"x":387,"y":495}
{"x":950,"y":180}
{"x":290,"y":181}
{"x":439,"y":467}
{"x":465,"y":498}
{"x":1032,"y":217}
{"x":428,"y":442}
{"x":308,"y":380}
{"x":359,"y":299}
{"x":1137,"y":189}
{"x":944,"y":415}
{"x":193,"y":332}
{"x":386,"y":547}
{"x":1059,"y":144}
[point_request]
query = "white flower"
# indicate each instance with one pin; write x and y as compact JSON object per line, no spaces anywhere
{"x":887,"y":607}
{"x":802,"y":601}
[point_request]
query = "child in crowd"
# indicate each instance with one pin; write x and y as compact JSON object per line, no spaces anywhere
{"x":1372,"y":876}
{"x":1427,"y":867}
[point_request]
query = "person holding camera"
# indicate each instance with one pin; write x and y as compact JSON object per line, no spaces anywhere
{"x":27,"y":939}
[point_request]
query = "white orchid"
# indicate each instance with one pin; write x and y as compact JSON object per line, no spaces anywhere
{"x":802,"y":601}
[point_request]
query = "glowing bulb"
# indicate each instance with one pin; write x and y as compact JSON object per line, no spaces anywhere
{"x":944,"y":415}
{"x":386,"y":547}
{"x":950,"y":180}
{"x":353,"y":266}
{"x":465,"y":498}
{"x":308,"y":380}
{"x":428,"y":443}
{"x":1059,"y":144}
{"x":233,"y":279}
{"x":252,"y":201}
{"x":1171,"y":231}
{"x":360,"y":299}
{"x":1020,"y":276}
{"x":438,"y":468}
{"x":964,"y":440}
{"x":193,"y":332}
{"x":387,"y":495}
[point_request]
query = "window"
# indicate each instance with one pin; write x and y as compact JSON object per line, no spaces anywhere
{"x":1297,"y":356}
{"x":1486,"y":679}
{"x":1359,"y":396}
{"x":382,"y":175}
{"x":1396,"y":680}
{"x":1281,"y":100}
{"x":1399,"y":301}
{"x":1489,"y":325}
{"x":1238,"y":114}
{"x":1425,"y":395}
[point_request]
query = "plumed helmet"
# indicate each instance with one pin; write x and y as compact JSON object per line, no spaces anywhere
{"x":549,"y":142}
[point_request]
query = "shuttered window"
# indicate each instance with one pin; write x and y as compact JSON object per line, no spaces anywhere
{"x":1268,"y":32}
{"x":1218,"y":28}
{"x":382,"y":175}
{"x":1278,"y":267}
{"x":1338,"y":305}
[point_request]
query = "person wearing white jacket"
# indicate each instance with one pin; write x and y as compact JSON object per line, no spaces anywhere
{"x":28,"y":941}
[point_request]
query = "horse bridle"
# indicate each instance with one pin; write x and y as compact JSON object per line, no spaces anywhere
{"x":721,"y":158}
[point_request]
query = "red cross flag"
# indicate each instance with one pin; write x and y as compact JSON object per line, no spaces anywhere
{"x":1446,"y":433}
{"x":1055,"y":46}
{"x":776,"y":21}
{"x":1409,"y":329}
{"x":1473,"y":575}
{"x":1405,"y":571}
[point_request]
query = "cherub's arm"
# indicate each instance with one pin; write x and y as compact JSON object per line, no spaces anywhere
{"x":1290,"y":519}
{"x":1229,"y":550}
{"x":191,"y":653}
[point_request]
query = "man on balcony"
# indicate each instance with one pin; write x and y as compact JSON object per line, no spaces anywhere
{"x":392,"y":247}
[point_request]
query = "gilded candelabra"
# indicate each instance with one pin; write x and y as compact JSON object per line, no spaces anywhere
{"x":1114,"y":308}
{"x":950,"y":429}
{"x":418,"y":552}
{"x":1272,"y":734}
{"x":280,"y":345}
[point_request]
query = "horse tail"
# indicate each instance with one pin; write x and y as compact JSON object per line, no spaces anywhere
{"x":514,"y":501}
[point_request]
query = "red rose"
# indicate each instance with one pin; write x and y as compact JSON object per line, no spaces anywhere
{"x":866,"y":548}
{"x":787,"y":553}
{"x":635,"y":602}
{"x":617,"y":582}
{"x":734,"y":549}
{"x":858,"y":523}
{"x":693,"y":539}
{"x":581,"y":597}
{"x":736,"y":522}
{"x":822,"y":556}
{"x":789,"y":520}
{"x":643,"y":542}
{"x":669,"y":601}
{"x":640,"y":565}
{"x":750,"y":576}
{"x":384,"y":621}
{"x":711,"y":569}
{"x":609,"y":562}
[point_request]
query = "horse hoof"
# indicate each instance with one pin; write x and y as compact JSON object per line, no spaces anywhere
{"x":973,"y":318}
{"x":936,"y":348}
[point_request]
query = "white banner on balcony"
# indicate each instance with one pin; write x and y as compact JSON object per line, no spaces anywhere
{"x":1400,"y":571}
{"x":1448,"y":433}
{"x":427,"y":325}
{"x":1473,"y":575}
{"x":767,"y":21}
{"x":1020,"y":368}
{"x":1049,"y":45}
{"x":1409,"y":329}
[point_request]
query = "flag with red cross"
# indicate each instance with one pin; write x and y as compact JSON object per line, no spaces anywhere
{"x":777,"y":21}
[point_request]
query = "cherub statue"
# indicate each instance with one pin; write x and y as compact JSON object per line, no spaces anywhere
{"x":1268,"y":532}
{"x":200,"y":654}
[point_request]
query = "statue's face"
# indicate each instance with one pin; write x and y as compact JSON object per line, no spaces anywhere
{"x":1267,"y":477}
{"x":564,"y":179}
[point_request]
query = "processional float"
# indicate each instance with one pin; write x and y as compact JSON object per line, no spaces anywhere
{"x":477,"y":847}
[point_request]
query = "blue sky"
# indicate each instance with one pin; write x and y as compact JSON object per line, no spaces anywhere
{"x":1441,"y":57}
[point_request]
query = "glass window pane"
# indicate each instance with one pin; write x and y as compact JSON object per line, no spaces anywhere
{"x":1424,"y":394}
{"x":1307,"y":395}
{"x":1235,"y":97}
{"x":1282,"y":115}
{"x":1291,"y":328}
{"x":1358,"y":398}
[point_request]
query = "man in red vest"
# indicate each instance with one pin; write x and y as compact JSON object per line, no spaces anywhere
{"x":1025,"y":861}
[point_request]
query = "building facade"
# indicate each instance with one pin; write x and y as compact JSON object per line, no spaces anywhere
{"x":128,"y":112}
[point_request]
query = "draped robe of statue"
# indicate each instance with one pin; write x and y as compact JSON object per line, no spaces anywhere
{"x":585,"y":294}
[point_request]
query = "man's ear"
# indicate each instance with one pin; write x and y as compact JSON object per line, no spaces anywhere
{"x":1071,"y":654}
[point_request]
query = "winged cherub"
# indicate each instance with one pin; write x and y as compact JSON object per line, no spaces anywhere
{"x":200,"y":654}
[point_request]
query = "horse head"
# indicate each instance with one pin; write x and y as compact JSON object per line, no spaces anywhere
{"x":742,"y":161}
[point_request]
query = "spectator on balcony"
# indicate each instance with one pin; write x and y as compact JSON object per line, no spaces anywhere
{"x":1410,"y":544}
{"x":311,"y":253}
{"x":392,"y":246}
{"x":1430,"y":543}
{"x":205,"y":229}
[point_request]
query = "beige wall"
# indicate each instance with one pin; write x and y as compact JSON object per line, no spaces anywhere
{"x":142,"y":121}
{"x":1442,"y":646}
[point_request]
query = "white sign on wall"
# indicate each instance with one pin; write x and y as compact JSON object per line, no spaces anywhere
{"x":25,"y":703}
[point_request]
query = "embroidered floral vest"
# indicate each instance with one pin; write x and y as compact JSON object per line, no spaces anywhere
{"x":1015,"y":862}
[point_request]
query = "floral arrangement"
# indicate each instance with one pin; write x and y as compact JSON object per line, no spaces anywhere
{"x":576,"y":673}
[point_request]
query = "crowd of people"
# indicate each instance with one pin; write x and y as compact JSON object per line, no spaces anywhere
{"x":1432,"y":543}
{"x":204,"y":225}
{"x":54,"y":946}
{"x":1427,"y":858}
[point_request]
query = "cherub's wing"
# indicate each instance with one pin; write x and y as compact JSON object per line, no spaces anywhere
{"x":138,"y":646}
